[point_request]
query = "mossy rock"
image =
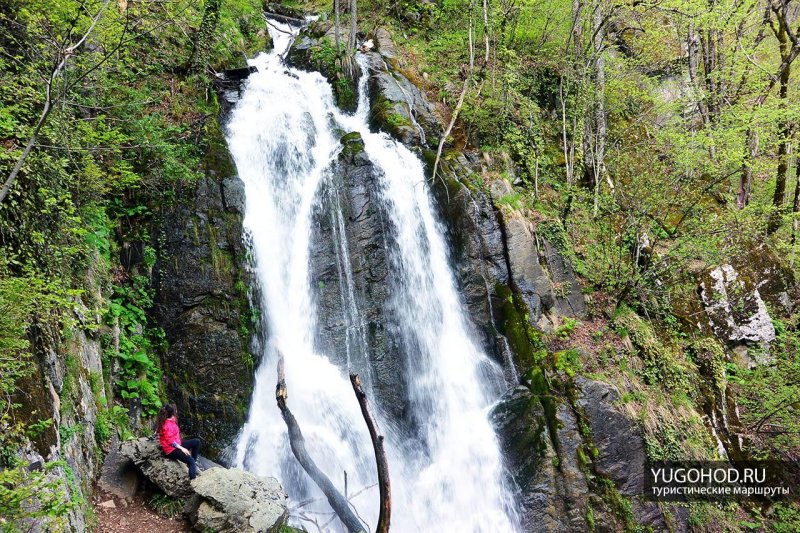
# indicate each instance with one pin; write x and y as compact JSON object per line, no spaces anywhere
{"x":352,"y":144}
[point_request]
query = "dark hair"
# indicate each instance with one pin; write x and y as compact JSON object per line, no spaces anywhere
{"x":168,"y":411}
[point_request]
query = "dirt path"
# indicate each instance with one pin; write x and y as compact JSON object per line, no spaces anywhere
{"x":114,"y":515}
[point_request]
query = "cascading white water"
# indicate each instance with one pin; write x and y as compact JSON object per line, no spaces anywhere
{"x":448,"y":476}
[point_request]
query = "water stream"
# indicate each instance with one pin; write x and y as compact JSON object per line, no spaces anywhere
{"x":446,"y":476}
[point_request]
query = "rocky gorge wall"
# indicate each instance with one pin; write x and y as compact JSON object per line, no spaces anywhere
{"x":202,"y":280}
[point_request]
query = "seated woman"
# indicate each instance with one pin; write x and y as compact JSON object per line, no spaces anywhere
{"x":170,"y":437}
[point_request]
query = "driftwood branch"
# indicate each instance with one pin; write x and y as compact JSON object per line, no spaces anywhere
{"x":380,"y":457}
{"x":337,"y":502}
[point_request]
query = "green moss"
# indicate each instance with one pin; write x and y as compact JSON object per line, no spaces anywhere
{"x":525,"y":341}
{"x":709,"y":355}
{"x":661,"y":363}
{"x":352,"y":144}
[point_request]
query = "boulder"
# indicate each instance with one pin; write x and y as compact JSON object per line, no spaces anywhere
{"x":621,"y":455}
{"x":233,"y":194}
{"x":232,"y":500}
{"x":734,"y":307}
{"x":170,"y":476}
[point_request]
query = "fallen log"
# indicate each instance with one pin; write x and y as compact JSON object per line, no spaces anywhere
{"x":284,"y":18}
{"x":380,"y":457}
{"x":337,"y":501}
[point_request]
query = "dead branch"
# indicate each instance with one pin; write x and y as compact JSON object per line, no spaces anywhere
{"x":297,"y":442}
{"x":381,"y":462}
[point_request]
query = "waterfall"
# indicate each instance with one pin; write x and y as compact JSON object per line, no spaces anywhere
{"x":446,"y":476}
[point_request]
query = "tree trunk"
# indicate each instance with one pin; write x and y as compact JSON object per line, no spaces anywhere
{"x":351,"y":45}
{"x":336,"y":10}
{"x":779,"y":196}
{"x":795,"y":206}
{"x":746,"y":176}
{"x":337,"y":501}
{"x":380,"y":457}
{"x":598,"y":158}
{"x":204,"y":40}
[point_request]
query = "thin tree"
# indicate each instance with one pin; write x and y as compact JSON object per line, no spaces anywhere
{"x":62,"y":57}
{"x":786,"y":37}
{"x":780,"y":9}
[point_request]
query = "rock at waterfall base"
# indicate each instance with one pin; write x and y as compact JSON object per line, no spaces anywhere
{"x":232,"y":500}
{"x":170,"y":476}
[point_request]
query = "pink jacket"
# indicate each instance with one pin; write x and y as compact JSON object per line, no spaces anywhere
{"x":169,"y":435}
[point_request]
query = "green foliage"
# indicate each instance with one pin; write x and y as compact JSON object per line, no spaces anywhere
{"x":140,"y":374}
{"x":769,"y":393}
{"x":33,"y":497}
{"x":787,"y":517}
{"x":661,"y":363}
{"x":166,"y":506}
{"x":567,"y":361}
{"x":22,"y":301}
{"x":567,"y":327}
{"x":512,"y":201}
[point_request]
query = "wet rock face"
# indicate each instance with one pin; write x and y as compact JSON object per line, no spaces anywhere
{"x":552,"y":491}
{"x":399,"y":107}
{"x":201,"y":303}
{"x":350,"y":228}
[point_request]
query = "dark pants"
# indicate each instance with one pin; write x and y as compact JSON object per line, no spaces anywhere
{"x":193,"y":445}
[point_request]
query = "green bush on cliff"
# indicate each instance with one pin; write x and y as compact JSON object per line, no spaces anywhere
{"x":139,"y":377}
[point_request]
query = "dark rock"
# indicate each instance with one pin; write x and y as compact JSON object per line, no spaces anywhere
{"x":238,"y":74}
{"x":527,"y":274}
{"x":399,"y":107}
{"x":313,"y":50}
{"x":617,"y":438}
{"x":232,"y":500}
{"x":569,"y":300}
{"x":552,"y":491}
{"x":351,"y":215}
{"x":621,"y":454}
{"x":233,"y":194}
{"x":287,"y":12}
{"x":118,"y":474}
{"x":201,"y":303}
{"x":477,"y":249}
